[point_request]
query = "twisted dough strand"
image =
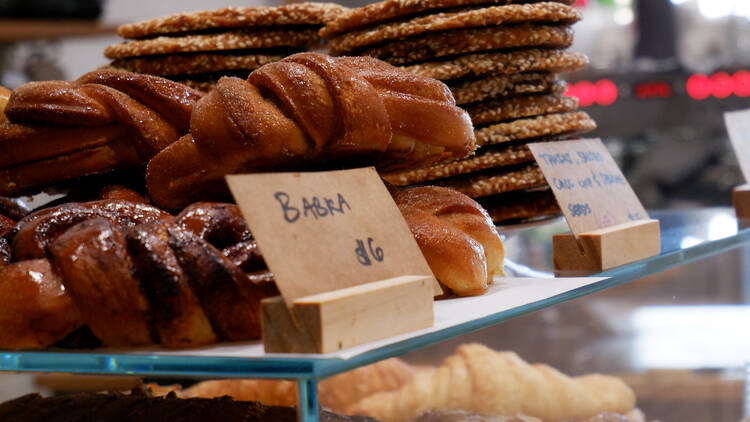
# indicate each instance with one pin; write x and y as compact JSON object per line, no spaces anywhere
{"x":306,"y":110}
{"x":107,"y":119}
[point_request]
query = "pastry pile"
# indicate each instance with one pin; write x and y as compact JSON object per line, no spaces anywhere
{"x":198,"y":48}
{"x":500,"y":59}
{"x":475,"y":384}
{"x":335,"y":394}
{"x":306,"y":111}
{"x":131,"y":274}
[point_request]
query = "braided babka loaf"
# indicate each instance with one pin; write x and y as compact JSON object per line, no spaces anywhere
{"x":105,"y":120}
{"x":132,"y":274}
{"x":306,"y":110}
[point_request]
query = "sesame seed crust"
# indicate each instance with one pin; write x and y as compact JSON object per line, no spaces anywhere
{"x":520,"y":205}
{"x":461,"y":41}
{"x":482,"y":160}
{"x":535,"y":127}
{"x":479,"y":65}
{"x":494,"y":182}
{"x":503,"y":86}
{"x":494,"y":111}
{"x":234,"y":17}
{"x":235,"y":40}
{"x":171,"y":65}
{"x":553,"y":13}
{"x":354,"y":19}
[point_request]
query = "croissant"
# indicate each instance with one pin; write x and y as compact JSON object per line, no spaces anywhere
{"x":306,"y":110}
{"x":131,"y":273}
{"x":463,"y":416}
{"x":480,"y":380}
{"x":107,"y":119}
{"x":456,"y":236}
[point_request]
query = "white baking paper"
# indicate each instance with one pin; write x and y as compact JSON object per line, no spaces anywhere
{"x":505,"y":294}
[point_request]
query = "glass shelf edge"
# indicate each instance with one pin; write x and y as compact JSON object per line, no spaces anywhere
{"x":318,"y":368}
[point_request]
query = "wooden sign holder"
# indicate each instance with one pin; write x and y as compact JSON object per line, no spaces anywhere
{"x":741,"y":201}
{"x":607,"y":248}
{"x":328,"y":322}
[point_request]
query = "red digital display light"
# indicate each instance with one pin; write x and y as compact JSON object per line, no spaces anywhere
{"x":699,"y":86}
{"x":604,"y":92}
{"x":741,"y":80}
{"x":722,"y":85}
{"x":649,"y":90}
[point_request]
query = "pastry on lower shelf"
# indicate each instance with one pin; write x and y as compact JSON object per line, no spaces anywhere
{"x":335,"y":393}
{"x":484,"y":381}
{"x":456,"y":236}
{"x":140,"y":407}
{"x":634,"y":415}
{"x":463,"y":416}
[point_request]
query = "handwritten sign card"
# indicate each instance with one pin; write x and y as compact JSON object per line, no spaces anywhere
{"x":325,"y":231}
{"x":738,"y":126}
{"x":588,"y":185}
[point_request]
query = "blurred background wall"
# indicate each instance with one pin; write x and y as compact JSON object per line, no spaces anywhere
{"x":662,"y":73}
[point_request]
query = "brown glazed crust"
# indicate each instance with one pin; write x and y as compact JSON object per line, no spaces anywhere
{"x":231,"y":303}
{"x":106,"y":120}
{"x":456,"y":236}
{"x":35,"y":232}
{"x":36,"y":312}
{"x":175,"y":309}
{"x":98,"y":274}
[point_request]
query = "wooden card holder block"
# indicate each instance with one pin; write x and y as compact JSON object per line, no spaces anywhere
{"x":328,"y":322}
{"x":741,"y":201}
{"x":607,"y":248}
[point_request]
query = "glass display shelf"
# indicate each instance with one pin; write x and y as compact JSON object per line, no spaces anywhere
{"x":686,"y":236}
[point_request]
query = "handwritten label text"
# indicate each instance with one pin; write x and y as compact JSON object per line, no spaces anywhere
{"x":588,"y":185}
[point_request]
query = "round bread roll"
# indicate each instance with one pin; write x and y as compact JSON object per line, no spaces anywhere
{"x":456,"y":235}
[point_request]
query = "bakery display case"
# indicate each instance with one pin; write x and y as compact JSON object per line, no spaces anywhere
{"x":118,"y":277}
{"x":647,"y":322}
